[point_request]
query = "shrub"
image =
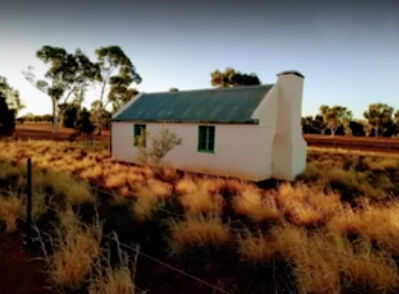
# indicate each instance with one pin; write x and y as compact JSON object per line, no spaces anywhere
{"x":158,"y":148}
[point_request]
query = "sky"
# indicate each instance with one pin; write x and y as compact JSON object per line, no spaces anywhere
{"x":347,"y":50}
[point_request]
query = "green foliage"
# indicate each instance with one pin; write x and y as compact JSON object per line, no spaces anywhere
{"x":37,"y":118}
{"x":13,"y":99}
{"x":67,"y":74}
{"x":378,"y":116}
{"x":231,"y":78}
{"x":115,"y":89}
{"x":313,"y":125}
{"x":335,"y":116}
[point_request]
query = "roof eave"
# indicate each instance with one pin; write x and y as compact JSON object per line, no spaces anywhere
{"x":246,"y":122}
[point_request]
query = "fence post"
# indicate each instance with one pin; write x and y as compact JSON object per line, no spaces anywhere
{"x":29,"y":193}
{"x":29,"y":233}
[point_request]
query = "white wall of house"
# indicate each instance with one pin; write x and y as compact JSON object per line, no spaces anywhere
{"x":243,"y":151}
{"x":289,"y":150}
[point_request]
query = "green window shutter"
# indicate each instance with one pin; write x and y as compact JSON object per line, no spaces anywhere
{"x":139,"y":136}
{"x":206,"y":139}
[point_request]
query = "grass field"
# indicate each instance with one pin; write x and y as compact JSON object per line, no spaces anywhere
{"x":334,"y":230}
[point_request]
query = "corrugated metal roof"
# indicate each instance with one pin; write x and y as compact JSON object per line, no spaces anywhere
{"x":223,"y":105}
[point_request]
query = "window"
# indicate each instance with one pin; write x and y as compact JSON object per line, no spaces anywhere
{"x":139,"y":138}
{"x":206,"y":139}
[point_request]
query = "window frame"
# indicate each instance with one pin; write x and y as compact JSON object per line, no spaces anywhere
{"x":137,"y":131}
{"x":207,"y":139}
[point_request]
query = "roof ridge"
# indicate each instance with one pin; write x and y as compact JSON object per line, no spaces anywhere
{"x":210,"y":89}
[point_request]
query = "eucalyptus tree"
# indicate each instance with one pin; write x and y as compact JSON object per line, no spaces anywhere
{"x":335,"y":116}
{"x":378,"y":115}
{"x":67,"y":74}
{"x":117,"y":73}
{"x":11,"y":96}
{"x":232,"y":78}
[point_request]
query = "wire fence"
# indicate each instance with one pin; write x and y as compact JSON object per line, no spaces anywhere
{"x":136,"y":249}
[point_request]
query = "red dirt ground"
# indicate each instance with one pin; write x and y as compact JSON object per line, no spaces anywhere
{"x":43,"y":131}
{"x":19,"y":272}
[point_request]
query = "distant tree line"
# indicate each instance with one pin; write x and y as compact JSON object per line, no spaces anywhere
{"x":69,"y":74}
{"x":379,"y":120}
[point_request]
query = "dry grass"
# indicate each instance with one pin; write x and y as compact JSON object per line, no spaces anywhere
{"x":75,"y":192}
{"x":306,"y":205}
{"x":117,"y":280}
{"x":114,"y":279}
{"x":201,"y":201}
{"x":340,"y":193}
{"x":323,"y":261}
{"x":256,"y":205}
{"x":11,"y":209}
{"x":198,"y":231}
{"x":76,"y":248}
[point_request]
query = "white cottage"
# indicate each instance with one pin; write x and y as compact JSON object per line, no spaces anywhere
{"x":250,"y":132}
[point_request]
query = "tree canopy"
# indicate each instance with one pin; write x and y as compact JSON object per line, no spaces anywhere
{"x":335,"y":116}
{"x":379,"y":115}
{"x":11,"y":96}
{"x":117,"y":73}
{"x":232,"y":78}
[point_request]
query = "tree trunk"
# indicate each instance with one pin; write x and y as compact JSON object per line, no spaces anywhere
{"x":100,"y":122}
{"x":54,"y":116}
{"x":100,"y":113}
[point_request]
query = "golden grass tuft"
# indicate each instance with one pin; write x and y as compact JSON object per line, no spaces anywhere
{"x":114,"y":281}
{"x":74,"y":191}
{"x":75,"y":250}
{"x":186,"y":186}
{"x":256,"y":205}
{"x":198,"y":231}
{"x":149,"y":199}
{"x":306,"y":205}
{"x":201,"y":201}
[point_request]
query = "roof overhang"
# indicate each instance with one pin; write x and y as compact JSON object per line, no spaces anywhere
{"x":247,"y":122}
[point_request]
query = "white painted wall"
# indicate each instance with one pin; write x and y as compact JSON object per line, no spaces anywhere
{"x":289,"y":149}
{"x":243,"y":151}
